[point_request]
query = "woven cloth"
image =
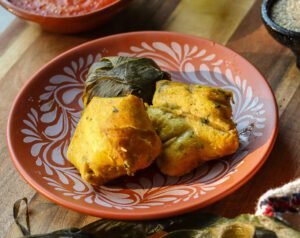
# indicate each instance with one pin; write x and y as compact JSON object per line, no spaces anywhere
{"x":280,"y":200}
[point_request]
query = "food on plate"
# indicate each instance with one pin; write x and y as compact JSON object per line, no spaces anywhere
{"x":119,"y":76}
{"x":114,"y":137}
{"x":61,"y":8}
{"x":194,"y":124}
{"x":184,"y":126}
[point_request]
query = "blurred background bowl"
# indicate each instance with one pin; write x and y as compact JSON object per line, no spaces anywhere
{"x":69,"y":24}
{"x":284,"y":36}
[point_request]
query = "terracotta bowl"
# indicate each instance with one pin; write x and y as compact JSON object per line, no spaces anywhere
{"x":47,"y":109}
{"x":69,"y":24}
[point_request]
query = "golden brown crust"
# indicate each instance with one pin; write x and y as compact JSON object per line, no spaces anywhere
{"x":194,"y":123}
{"x":114,"y":137}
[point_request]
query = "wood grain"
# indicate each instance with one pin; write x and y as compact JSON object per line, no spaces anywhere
{"x":277,"y":64}
{"x":11,"y":33}
{"x":287,"y":88}
{"x":5,"y":18}
{"x":215,"y":20}
{"x":17,"y":47}
{"x":235,"y":23}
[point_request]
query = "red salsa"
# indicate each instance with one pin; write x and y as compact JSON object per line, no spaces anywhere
{"x":61,"y":7}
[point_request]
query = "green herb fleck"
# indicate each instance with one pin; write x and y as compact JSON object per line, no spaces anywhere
{"x":115,"y":109}
{"x":217,"y":105}
{"x":162,"y":86}
{"x":204,"y":120}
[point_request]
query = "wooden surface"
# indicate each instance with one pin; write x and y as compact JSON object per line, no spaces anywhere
{"x":24,"y":48}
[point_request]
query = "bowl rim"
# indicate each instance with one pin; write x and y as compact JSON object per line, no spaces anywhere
{"x":267,"y":19}
{"x":129,"y":215}
{"x":29,"y":14}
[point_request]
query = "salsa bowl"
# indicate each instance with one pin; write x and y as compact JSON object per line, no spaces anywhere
{"x":69,"y":24}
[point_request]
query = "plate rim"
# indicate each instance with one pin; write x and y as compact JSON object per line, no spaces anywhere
{"x":131,"y":214}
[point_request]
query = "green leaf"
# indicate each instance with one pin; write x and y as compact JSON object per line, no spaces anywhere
{"x":65,"y":233}
{"x":16,"y":213}
{"x":119,"y":76}
{"x":264,"y":233}
{"x":193,"y":225}
{"x":224,"y":230}
{"x":189,"y":234}
{"x":140,"y":229}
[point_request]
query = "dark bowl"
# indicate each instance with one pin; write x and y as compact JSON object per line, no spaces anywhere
{"x":69,"y":24}
{"x":284,"y":36}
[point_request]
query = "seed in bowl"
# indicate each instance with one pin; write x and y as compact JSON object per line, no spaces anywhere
{"x":286,"y":13}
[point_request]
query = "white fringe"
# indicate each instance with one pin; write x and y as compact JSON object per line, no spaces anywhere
{"x":286,"y":190}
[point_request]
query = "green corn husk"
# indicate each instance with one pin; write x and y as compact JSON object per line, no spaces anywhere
{"x":119,"y":76}
{"x":193,"y":225}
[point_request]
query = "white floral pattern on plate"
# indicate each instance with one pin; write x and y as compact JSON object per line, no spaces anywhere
{"x":60,"y":109}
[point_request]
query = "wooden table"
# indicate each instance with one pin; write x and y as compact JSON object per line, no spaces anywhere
{"x":24,"y":48}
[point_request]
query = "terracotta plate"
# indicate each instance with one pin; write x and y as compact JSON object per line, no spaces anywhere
{"x":48,"y":107}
